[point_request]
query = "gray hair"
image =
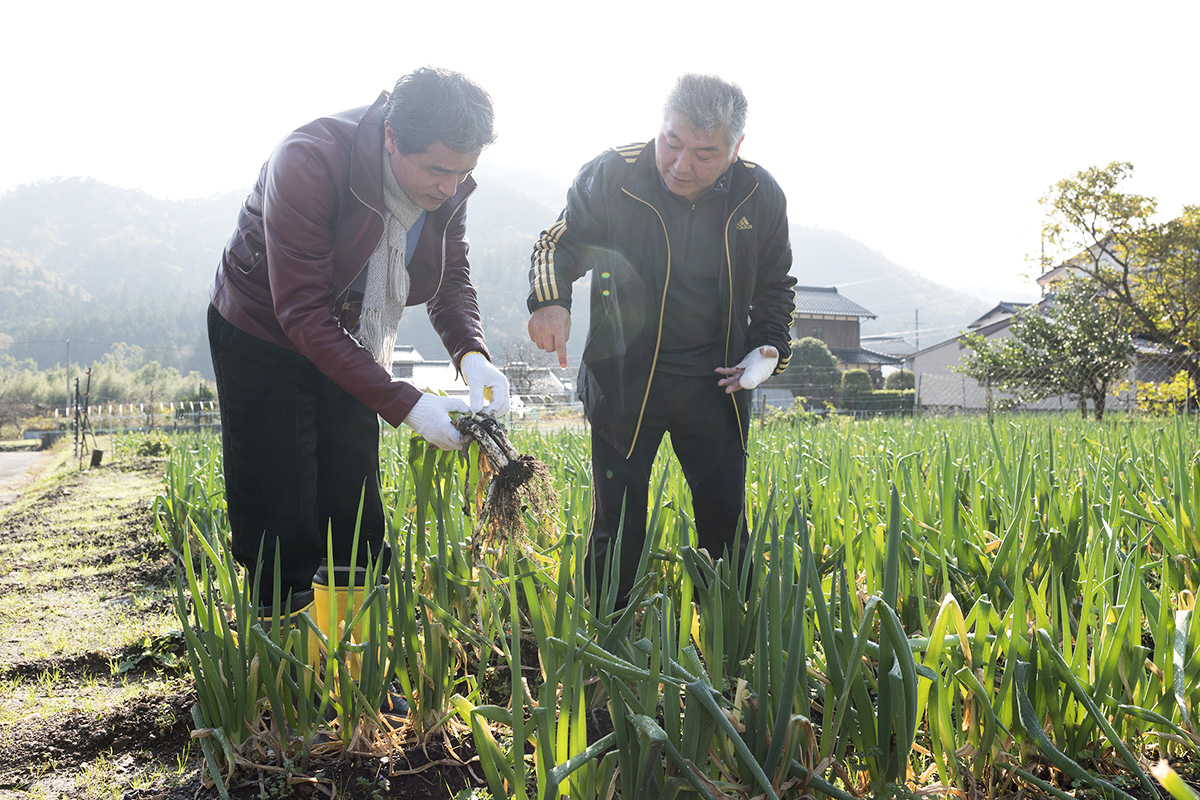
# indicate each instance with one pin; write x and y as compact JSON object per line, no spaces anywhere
{"x":709,"y":104}
{"x":440,"y":105}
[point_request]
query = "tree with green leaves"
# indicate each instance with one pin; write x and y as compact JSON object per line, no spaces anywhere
{"x":900,"y":380}
{"x":1147,"y":267}
{"x":812,"y":371}
{"x":1076,"y":343}
{"x":856,"y":381}
{"x":857,"y":389}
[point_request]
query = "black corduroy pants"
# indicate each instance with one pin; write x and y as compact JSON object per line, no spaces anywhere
{"x":300,"y":457}
{"x":707,"y":434}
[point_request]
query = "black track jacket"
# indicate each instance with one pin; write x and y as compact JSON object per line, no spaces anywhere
{"x":612,"y":225}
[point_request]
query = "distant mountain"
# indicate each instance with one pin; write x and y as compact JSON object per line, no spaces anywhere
{"x":94,"y":264}
{"x":904,"y":302}
{"x":548,"y":191}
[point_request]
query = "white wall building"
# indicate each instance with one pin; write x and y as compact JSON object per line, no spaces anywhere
{"x":940,"y":387}
{"x":428,"y":376}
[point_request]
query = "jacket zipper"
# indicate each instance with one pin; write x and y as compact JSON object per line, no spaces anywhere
{"x":661,"y":312}
{"x":382,"y":219}
{"x":441,"y":271}
{"x":729,"y":320}
{"x":662,"y":306}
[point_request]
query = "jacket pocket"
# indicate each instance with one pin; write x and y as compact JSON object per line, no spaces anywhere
{"x":604,"y":339}
{"x":245,"y":251}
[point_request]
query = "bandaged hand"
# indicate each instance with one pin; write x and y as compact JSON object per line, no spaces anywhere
{"x":481,"y":376}
{"x":430,"y":417}
{"x":752,"y":370}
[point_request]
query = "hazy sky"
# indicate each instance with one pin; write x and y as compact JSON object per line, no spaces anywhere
{"x":928,"y":131}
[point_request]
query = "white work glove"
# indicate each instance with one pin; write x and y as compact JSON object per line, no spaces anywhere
{"x":481,"y":375}
{"x":752,"y":370}
{"x":430,"y":417}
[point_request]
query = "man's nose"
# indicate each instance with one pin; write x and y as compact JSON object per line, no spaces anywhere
{"x":683,"y":164}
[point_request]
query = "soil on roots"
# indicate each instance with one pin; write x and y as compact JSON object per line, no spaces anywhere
{"x":510,"y":485}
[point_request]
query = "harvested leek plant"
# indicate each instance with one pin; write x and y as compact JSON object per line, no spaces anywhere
{"x":509,"y":482}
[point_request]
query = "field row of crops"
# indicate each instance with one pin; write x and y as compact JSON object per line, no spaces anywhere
{"x":945,"y":605}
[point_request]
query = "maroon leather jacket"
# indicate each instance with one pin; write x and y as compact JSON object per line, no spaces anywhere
{"x":307,"y":230}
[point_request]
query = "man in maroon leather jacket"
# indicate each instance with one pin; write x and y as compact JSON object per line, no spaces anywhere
{"x":354,"y":216}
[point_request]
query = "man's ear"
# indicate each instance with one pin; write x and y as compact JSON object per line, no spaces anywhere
{"x":389,"y":138}
{"x":736,"y":147}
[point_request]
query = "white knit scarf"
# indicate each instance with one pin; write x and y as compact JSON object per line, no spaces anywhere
{"x":386,"y":291}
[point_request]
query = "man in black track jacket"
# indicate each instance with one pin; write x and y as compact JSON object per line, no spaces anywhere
{"x":691,"y":301}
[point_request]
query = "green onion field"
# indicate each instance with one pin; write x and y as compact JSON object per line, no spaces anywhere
{"x":935,"y":606}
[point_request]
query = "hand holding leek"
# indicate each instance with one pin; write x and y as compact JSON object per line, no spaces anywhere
{"x":430,"y":418}
{"x":489,"y":387}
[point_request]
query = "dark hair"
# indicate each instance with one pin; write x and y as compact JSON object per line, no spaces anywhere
{"x":710,"y":104}
{"x":439,"y":105}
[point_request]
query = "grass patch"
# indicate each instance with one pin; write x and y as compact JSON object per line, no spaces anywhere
{"x":82,"y":575}
{"x":90,"y":704}
{"x":54,"y":692}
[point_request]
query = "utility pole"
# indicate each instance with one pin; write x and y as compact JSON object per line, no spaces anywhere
{"x":917,"y":327}
{"x":68,"y":406}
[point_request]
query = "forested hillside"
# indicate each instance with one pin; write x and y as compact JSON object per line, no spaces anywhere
{"x":93,"y":264}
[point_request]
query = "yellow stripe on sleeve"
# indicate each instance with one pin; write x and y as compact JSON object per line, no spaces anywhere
{"x":545,"y":283}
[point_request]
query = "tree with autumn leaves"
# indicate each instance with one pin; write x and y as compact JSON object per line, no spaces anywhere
{"x":1125,"y":274}
{"x":1148,"y":267}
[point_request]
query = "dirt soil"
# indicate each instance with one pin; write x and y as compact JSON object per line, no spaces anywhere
{"x":95,"y":696}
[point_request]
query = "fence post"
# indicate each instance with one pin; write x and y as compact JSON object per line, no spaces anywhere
{"x":1188,"y":405}
{"x":1133,"y":386}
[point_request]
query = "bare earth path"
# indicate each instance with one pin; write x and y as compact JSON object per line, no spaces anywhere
{"x":95,"y":694}
{"x":17,"y":468}
{"x":87,"y":707}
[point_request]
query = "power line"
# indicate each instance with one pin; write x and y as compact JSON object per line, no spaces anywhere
{"x":944,"y":329}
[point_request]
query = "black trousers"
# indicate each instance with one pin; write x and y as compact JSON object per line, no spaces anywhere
{"x":299,"y":452}
{"x":707,"y":433}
